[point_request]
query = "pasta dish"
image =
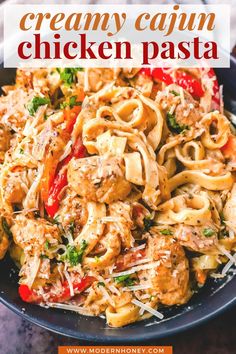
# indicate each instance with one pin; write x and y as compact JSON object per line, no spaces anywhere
{"x":117,"y":188}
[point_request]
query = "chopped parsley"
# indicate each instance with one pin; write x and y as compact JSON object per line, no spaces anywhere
{"x":100,"y":283}
{"x":21,"y":151}
{"x":208,"y":232}
{"x":222,"y":218}
{"x":73,"y":255}
{"x":72,"y":102}
{"x":55,"y":220}
{"x":148,"y":223}
{"x":126,"y":280}
{"x":166,"y":232}
{"x":43,"y":256}
{"x":68,"y":75}
{"x":173,"y":125}
{"x":35,"y":103}
{"x":174,"y":93}
{"x":6,"y":228}
{"x":223,"y":234}
{"x":47,"y":244}
{"x":72,"y":227}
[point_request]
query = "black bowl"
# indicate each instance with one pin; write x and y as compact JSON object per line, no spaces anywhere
{"x":211,"y":300}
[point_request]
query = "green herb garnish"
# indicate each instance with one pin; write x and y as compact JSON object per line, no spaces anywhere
{"x":73,"y":255}
{"x":43,"y":256}
{"x":6,"y":228}
{"x":148,"y":223}
{"x":47,"y":244}
{"x":208,"y":232}
{"x":166,"y":232}
{"x":35,"y":103}
{"x":68,"y":75}
{"x":174,"y":93}
{"x":21,"y":151}
{"x":173,"y":125}
{"x":72,"y":227}
{"x":72,"y":102}
{"x":125,"y":280}
{"x":100,"y":283}
{"x":223,"y":234}
{"x":222,"y":218}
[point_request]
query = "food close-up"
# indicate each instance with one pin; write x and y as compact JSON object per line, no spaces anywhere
{"x":117,"y":188}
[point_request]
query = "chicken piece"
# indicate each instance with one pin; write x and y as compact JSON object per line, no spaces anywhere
{"x":4,"y":141}
{"x":122,"y":212}
{"x":45,"y":80}
{"x":99,"y":179}
{"x":16,"y":187}
{"x":17,"y":183}
{"x":201,"y":239}
{"x":24,"y":78}
{"x":73,"y":212}
{"x":111,"y":246}
{"x":34,"y":236}
{"x":171,"y":278}
{"x":143,"y":83}
{"x":17,"y":254}
{"x":4,"y":244}
{"x":229,"y":210}
{"x":181,"y":104}
{"x":94,"y":79}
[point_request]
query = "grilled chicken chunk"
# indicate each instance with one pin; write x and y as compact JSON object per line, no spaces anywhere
{"x":99,"y":179}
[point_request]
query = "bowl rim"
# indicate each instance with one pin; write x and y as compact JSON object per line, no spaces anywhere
{"x":146,"y":335}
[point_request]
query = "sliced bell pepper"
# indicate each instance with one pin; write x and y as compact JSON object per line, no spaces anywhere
{"x":71,"y":113}
{"x":60,"y":180}
{"x":30,"y":295}
{"x":54,"y":178}
{"x":229,"y":149}
{"x":188,"y":82}
{"x":216,"y":90}
{"x":181,"y":78}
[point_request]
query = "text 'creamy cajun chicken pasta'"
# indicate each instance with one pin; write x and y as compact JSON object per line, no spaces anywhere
{"x":117,"y":189}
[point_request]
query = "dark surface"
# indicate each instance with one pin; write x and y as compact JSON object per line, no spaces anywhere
{"x":201,"y":307}
{"x":18,"y":336}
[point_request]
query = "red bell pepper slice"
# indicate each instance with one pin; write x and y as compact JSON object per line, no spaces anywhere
{"x":30,"y":296}
{"x":186,"y":81}
{"x":52,"y":182}
{"x":60,"y":180}
{"x":216,"y":89}
{"x":229,"y":149}
{"x":181,"y":78}
{"x":52,"y":204}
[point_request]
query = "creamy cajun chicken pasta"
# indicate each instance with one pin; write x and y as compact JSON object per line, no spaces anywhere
{"x":117,"y":189}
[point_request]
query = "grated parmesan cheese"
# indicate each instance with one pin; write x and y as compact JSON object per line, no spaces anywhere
{"x":138,"y":287}
{"x":227,"y":254}
{"x":148,"y":309}
{"x":229,"y":265}
{"x":79,"y":309}
{"x":137,"y":269}
{"x":68,"y":278}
